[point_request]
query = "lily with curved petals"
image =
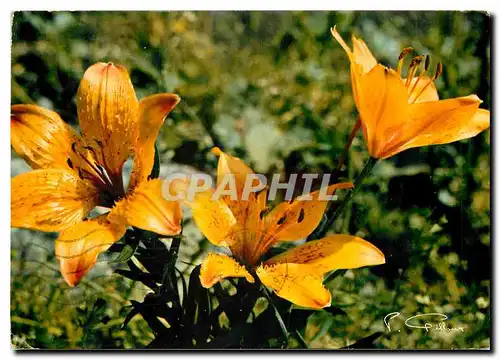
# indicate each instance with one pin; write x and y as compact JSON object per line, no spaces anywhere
{"x":399,"y":113}
{"x":72,"y":173}
{"x":248,"y":229}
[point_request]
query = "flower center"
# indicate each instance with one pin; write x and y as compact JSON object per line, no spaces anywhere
{"x":90,"y":164}
{"x":412,"y":81}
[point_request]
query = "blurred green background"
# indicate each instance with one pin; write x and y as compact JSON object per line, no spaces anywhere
{"x":274,"y":89}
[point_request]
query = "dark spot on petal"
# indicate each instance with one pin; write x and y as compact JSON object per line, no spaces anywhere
{"x":70,"y":163}
{"x":301,"y":216}
{"x":282,"y":220}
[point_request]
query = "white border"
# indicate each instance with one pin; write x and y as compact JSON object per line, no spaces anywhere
{"x":5,"y":22}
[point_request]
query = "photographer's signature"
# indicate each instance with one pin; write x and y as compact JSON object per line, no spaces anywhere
{"x":422,"y":321}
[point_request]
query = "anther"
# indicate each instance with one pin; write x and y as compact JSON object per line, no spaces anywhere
{"x":416,"y":61}
{"x":412,"y":68}
{"x":439,"y":70}
{"x":427,"y":62}
{"x":405,"y":52}
{"x":422,"y":72}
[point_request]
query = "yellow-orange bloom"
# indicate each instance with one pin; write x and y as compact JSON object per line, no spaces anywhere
{"x":249,"y":230}
{"x":73,"y":174}
{"x":399,"y":113}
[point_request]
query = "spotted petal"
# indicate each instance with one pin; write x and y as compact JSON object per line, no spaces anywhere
{"x":108,"y":113}
{"x":147,"y":209}
{"x":300,"y":218}
{"x":216,"y":267}
{"x":77,"y":247}
{"x":332,"y":253}
{"x":299,"y":284}
{"x":50,"y":200}
{"x":41,"y":137}
{"x":152,"y":112}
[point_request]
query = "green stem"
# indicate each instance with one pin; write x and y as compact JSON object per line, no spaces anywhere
{"x":301,"y":339}
{"x":357,"y":185}
{"x":277,"y":314}
{"x":169,"y":276}
{"x":342,"y":206}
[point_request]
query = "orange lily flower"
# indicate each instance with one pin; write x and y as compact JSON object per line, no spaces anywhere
{"x":399,"y":113}
{"x":249,"y":231}
{"x":73,"y":174}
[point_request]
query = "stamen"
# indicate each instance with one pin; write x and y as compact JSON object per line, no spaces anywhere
{"x":97,"y":172}
{"x":412,"y":69}
{"x":105,"y":174}
{"x":405,"y":52}
{"x":439,"y":71}
{"x":422,"y":72}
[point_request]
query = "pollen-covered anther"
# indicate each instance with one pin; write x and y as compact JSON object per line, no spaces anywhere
{"x":405,"y":52}
{"x":416,"y":61}
{"x":401,"y":57}
{"x":422,"y":72}
{"x":413,"y":68}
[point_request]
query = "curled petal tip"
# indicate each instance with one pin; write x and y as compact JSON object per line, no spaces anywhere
{"x":177,"y":98}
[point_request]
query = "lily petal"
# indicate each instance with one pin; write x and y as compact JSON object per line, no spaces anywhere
{"x":152,"y":112}
{"x":50,"y":200}
{"x":41,"y":137}
{"x":382,"y":102}
{"x":107,"y":112}
{"x":439,"y":122}
{"x":213,"y":217}
{"x":360,"y":56}
{"x":147,"y":209}
{"x":216,"y":267}
{"x":299,"y":284}
{"x":332,"y":253}
{"x":229,"y":165}
{"x":300,"y":218}
{"x":77,"y":247}
{"x":246,"y":212}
